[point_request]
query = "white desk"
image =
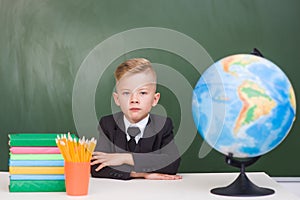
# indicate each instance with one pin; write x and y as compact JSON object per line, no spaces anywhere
{"x":192,"y":186}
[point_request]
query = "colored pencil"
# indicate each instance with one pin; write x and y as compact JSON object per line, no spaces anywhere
{"x":74,"y":150}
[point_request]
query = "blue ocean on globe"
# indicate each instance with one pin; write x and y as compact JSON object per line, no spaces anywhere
{"x":243,"y":105}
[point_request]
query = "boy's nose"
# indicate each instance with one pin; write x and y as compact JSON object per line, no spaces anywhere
{"x":134,"y":98}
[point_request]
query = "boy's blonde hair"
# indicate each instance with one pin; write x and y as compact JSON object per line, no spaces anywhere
{"x":135,"y":65}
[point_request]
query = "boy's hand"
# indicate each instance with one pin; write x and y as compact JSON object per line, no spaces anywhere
{"x":158,"y":176}
{"x":155,"y":176}
{"x":111,"y":159}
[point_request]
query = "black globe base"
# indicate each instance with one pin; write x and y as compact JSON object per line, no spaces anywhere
{"x":242,"y":186}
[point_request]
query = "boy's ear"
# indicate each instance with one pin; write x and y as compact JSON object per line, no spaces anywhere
{"x":116,"y":98}
{"x":156,"y":99}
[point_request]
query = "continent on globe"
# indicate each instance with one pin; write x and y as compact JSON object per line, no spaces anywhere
{"x":292,"y":98}
{"x":256,"y":103}
{"x":228,"y":62}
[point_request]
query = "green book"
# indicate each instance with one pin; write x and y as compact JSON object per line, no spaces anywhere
{"x":36,"y":157}
{"x":37,"y":186}
{"x":33,"y":139}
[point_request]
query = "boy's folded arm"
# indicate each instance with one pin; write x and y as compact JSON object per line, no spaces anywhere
{"x":119,"y":172}
{"x":157,"y":162}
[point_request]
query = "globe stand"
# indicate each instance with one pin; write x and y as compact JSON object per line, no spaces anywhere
{"x":242,"y":186}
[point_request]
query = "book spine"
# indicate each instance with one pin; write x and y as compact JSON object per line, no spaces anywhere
{"x":36,"y":157}
{"x":32,"y":143}
{"x":37,"y":177}
{"x":37,"y":186}
{"x":34,"y":150}
{"x":37,"y":163}
{"x":36,"y":170}
{"x":33,"y":139}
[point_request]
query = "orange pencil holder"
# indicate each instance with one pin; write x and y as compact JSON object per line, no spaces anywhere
{"x":77,"y":177}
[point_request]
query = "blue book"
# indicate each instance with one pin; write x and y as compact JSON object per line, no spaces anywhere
{"x":37,"y":177}
{"x":36,"y":163}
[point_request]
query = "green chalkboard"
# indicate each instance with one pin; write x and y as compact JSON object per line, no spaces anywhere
{"x":57,"y":59}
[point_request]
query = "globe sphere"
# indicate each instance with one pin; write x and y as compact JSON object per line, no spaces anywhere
{"x":243,"y":105}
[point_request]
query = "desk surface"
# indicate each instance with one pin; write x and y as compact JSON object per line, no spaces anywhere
{"x":192,"y":186}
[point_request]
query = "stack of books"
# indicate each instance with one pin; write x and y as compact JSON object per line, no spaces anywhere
{"x":35,"y":164}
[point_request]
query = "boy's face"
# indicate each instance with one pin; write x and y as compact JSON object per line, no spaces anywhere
{"x":136,"y":95}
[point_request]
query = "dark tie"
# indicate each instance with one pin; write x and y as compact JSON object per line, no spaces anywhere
{"x":133,"y":132}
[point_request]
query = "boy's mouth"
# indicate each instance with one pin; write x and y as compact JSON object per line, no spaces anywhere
{"x":134,"y":109}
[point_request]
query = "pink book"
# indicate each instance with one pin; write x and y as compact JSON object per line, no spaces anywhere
{"x":34,"y":150}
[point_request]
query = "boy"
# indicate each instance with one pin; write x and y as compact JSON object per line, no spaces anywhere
{"x":134,"y":143}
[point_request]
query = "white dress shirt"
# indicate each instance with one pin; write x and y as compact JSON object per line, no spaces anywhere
{"x":141,"y":124}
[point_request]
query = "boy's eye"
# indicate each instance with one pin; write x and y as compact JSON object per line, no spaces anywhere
{"x":125,"y":93}
{"x":143,"y":93}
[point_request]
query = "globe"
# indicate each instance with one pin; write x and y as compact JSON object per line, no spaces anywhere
{"x":243,"y":105}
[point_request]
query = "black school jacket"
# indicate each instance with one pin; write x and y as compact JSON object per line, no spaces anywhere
{"x":155,"y":152}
